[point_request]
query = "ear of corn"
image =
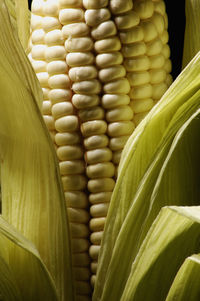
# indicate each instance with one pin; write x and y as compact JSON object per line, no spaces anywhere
{"x":16,"y":254}
{"x":35,"y":206}
{"x":136,"y":217}
{"x":100,"y":54}
{"x":186,"y":283}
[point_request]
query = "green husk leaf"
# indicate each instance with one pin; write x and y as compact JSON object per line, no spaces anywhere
{"x":20,"y":19}
{"x":23,"y":21}
{"x":192,"y":28}
{"x":23,"y":276}
{"x":32,"y":195}
{"x":16,"y":57}
{"x":173,"y":237}
{"x":186,"y":285}
{"x":132,"y":193}
{"x":163,"y":184}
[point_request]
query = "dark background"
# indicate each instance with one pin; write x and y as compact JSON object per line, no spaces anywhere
{"x":176,"y":17}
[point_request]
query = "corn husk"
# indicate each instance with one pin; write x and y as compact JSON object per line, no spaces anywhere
{"x":17,"y":282}
{"x":32,"y":194}
{"x":192,"y":27}
{"x":163,"y":252}
{"x":186,"y":285}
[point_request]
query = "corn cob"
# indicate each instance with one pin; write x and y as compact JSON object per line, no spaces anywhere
{"x":142,"y":27}
{"x":67,"y":138}
{"x":115,"y":101}
{"x":87,"y":87}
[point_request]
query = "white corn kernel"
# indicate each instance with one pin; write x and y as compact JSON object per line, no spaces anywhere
{"x":104,"y":60}
{"x":67,"y":124}
{"x":93,"y":17}
{"x":81,"y":101}
{"x":55,"y":53}
{"x":159,"y":90}
{"x":82,"y":73}
{"x":140,"y":63}
{"x":144,"y":8}
{"x":89,"y":87}
{"x":38,"y":52}
{"x":94,"y":127}
{"x":63,"y":139}
{"x":94,"y":4}
{"x":69,"y":152}
{"x":39,"y":66}
{"x":138,"y":78}
{"x":93,"y":113}
{"x":80,"y":245}
{"x":75,"y":30}
{"x":54,"y":37}
{"x":119,"y":113}
{"x":97,"y":185}
{"x":101,"y":197}
{"x":95,"y":239}
{"x":72,"y":167}
{"x":157,"y":76}
{"x":50,"y":23}
{"x":110,"y":101}
{"x":104,"y":30}
{"x":70,"y":3}
{"x":94,"y":251}
{"x":135,"y":49}
{"x":127,"y":20}
{"x":76,"y":59}
{"x":74,"y":182}
{"x":117,"y":143}
{"x":99,"y":170}
{"x":98,"y":155}
{"x":112,"y":73}
{"x":132,"y":35}
{"x":120,"y":128}
{"x":156,"y":61}
{"x":154,"y":47}
{"x":118,"y":86}
{"x":142,"y":105}
{"x":119,"y":7}
{"x":59,"y":81}
{"x":38,"y":36}
{"x":77,"y":215}
{"x":78,"y":44}
{"x":58,"y":95}
{"x":71,"y":15}
{"x":99,"y":210}
{"x":76,"y":199}
{"x":94,"y":142}
{"x":56,"y":67}
{"x":46,"y":107}
{"x":107,"y":45}
{"x":149,"y":30}
{"x":140,"y":92}
{"x":159,"y":22}
{"x":117,"y":156}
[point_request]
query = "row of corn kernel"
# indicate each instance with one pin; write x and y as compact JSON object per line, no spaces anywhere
{"x":68,"y":144}
{"x":142,"y":26}
{"x":115,"y":101}
{"x":86,"y":88}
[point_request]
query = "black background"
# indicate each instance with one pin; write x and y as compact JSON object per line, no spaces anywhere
{"x":176,"y":18}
